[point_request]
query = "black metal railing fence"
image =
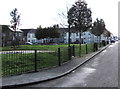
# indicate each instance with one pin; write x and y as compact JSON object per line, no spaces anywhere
{"x":19,"y":62}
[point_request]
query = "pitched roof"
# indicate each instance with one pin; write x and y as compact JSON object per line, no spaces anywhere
{"x":32,"y":31}
{"x":9,"y":28}
{"x":25,"y":31}
{"x":14,"y":30}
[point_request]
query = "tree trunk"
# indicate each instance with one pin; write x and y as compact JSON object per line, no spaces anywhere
{"x":93,"y":39}
{"x":69,"y":36}
{"x":80,"y":43}
{"x":93,"y":43}
{"x":99,"y":41}
{"x":14,"y":40}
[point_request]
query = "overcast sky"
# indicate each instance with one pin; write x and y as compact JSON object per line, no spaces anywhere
{"x":45,"y":12}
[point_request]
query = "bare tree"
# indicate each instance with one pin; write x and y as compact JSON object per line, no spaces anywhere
{"x":15,"y":21}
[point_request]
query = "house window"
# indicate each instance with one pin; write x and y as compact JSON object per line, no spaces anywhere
{"x":28,"y":35}
{"x":33,"y":35}
{"x":23,"y":39}
{"x":76,"y":34}
{"x":20,"y":34}
{"x":83,"y":34}
{"x":16,"y":34}
{"x":64,"y":34}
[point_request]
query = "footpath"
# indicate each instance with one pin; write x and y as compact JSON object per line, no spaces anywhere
{"x":48,"y":74}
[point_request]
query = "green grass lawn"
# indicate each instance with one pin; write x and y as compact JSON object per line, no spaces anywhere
{"x":24,"y":62}
{"x":33,"y":47}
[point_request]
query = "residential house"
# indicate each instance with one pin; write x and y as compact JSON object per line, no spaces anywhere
{"x":25,"y":32}
{"x":87,"y":37}
{"x":8,"y":36}
{"x":31,"y":38}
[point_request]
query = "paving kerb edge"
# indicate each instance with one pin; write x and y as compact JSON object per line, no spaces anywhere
{"x":61,"y":75}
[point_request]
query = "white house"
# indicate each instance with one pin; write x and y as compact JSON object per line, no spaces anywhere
{"x":31,"y":37}
{"x":87,"y":37}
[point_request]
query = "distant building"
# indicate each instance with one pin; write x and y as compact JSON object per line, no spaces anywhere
{"x":8,"y":36}
{"x":31,"y":38}
{"x":87,"y":37}
{"x":25,"y":32}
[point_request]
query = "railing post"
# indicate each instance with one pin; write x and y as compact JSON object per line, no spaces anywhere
{"x":35,"y":60}
{"x":93,"y":47}
{"x":86,"y":49}
{"x":100,"y":44}
{"x":69,"y":53}
{"x":96,"y":46}
{"x":80,"y":50}
{"x":73,"y":50}
{"x":59,"y":62}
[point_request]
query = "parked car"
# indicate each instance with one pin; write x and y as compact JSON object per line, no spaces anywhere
{"x":29,"y":43}
{"x":112,"y":41}
{"x":76,"y":42}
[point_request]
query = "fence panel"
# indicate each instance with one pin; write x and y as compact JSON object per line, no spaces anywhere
{"x":17,"y":62}
{"x":64,"y":54}
{"x":83,"y":50}
{"x":77,"y":50}
{"x":90,"y":48}
{"x":47,"y":59}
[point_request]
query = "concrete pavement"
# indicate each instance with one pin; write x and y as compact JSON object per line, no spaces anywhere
{"x":48,"y":74}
